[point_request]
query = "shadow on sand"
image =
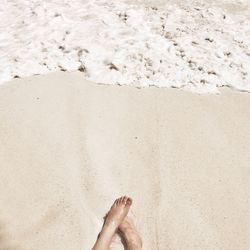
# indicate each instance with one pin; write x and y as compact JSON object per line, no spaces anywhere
{"x":5,"y":241}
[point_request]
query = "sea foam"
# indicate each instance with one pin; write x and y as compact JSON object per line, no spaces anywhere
{"x":194,"y":47}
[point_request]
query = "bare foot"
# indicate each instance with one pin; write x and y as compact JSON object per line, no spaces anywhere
{"x":113,"y":219}
{"x":130,"y":235}
{"x":117,"y":213}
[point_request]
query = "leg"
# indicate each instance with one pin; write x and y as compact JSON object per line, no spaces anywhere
{"x":129,"y":234}
{"x":115,"y":216}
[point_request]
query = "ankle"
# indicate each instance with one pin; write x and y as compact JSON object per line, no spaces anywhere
{"x":107,"y":231}
{"x":134,"y":242}
{"x":134,"y":246}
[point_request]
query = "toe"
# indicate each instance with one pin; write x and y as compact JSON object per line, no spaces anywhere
{"x":129,"y":201}
{"x":124,"y":200}
{"x":116,"y":202}
{"x":120,"y":200}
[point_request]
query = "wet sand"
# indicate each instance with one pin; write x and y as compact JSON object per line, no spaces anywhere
{"x":69,"y":147}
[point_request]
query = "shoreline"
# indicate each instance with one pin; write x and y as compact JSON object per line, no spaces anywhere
{"x":197,"y":46}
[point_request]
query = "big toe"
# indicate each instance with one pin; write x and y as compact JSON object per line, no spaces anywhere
{"x":127,"y":201}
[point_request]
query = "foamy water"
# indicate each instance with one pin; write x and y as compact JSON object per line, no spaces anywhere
{"x":197,"y":47}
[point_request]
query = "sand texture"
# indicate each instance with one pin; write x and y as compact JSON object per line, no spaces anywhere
{"x":69,"y":147}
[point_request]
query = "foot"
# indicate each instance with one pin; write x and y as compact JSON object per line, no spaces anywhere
{"x":113,"y":219}
{"x":116,"y":214}
{"x":130,"y":235}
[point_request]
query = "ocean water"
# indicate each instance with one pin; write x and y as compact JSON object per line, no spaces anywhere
{"x":194,"y":45}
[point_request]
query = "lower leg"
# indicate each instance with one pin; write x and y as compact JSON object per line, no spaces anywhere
{"x":130,"y":235}
{"x":104,"y":239}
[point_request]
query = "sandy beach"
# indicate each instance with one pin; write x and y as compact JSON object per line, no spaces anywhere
{"x":69,"y":147}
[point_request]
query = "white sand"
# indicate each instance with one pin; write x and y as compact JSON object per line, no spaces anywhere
{"x":68,"y":148}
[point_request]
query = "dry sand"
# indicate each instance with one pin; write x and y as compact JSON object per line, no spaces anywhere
{"x":69,"y":147}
